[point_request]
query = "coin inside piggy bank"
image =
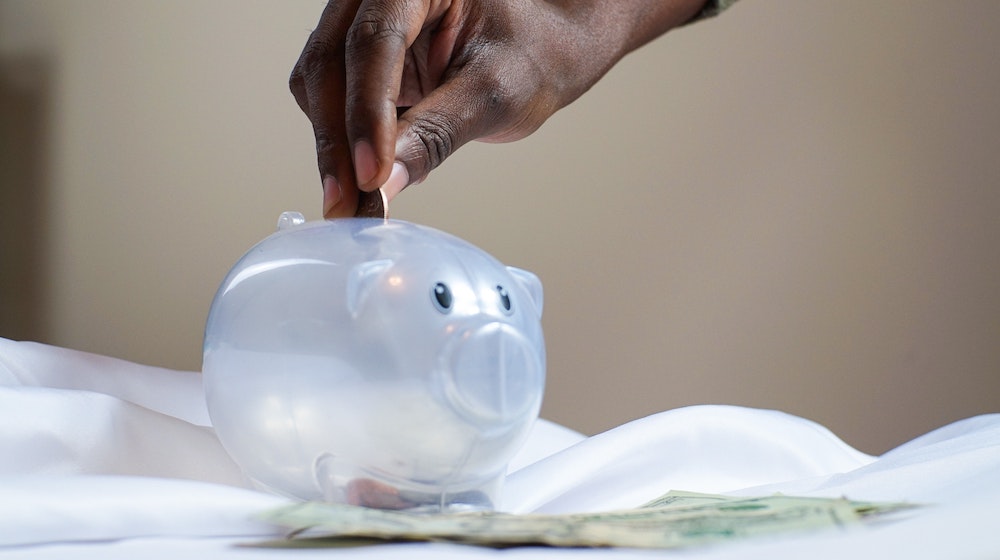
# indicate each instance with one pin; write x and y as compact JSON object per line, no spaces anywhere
{"x":374,"y":362}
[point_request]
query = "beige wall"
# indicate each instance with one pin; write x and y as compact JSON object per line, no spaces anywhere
{"x":796,"y":206}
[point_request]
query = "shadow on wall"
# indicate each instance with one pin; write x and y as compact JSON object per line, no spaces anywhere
{"x":24,"y":109}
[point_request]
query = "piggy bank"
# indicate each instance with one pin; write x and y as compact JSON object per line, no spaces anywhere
{"x":374,"y":362}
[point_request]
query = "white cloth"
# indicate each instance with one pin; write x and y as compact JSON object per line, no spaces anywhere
{"x":104,"y":458}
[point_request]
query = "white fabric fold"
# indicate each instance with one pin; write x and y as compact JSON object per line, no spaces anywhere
{"x":175,"y":393}
{"x":63,"y":431}
{"x":699,"y":448}
{"x":952,"y":464}
{"x":95,"y":449}
{"x":45,"y":509}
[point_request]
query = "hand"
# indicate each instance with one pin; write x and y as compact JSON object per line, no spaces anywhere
{"x":393,"y":87}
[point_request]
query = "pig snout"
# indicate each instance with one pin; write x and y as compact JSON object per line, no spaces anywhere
{"x":492,"y":374}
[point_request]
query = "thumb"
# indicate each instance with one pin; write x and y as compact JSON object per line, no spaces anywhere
{"x":460,"y":110}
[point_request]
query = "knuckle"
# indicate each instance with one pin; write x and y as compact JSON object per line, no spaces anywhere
{"x":436,"y":138}
{"x":515,"y":100}
{"x":316,"y":58}
{"x":501,"y":98}
{"x":296,"y":83}
{"x":498,"y":98}
{"x":325,"y":141}
{"x":372,"y":29}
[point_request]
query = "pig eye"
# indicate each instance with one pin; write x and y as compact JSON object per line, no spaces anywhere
{"x":504,"y":298}
{"x":441,"y":296}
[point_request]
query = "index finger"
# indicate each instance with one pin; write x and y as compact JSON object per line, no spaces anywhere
{"x":318,"y":83}
{"x":375,"y":52}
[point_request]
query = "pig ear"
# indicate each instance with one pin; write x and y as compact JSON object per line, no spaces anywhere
{"x":531,"y":284}
{"x":360,"y":281}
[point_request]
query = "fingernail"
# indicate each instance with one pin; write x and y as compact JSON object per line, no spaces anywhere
{"x":365,"y":166}
{"x":331,"y":193}
{"x":398,"y":178}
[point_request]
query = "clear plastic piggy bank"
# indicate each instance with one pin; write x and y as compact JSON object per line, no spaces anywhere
{"x":374,"y":362}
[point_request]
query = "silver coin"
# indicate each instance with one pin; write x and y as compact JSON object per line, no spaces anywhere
{"x":372,"y":205}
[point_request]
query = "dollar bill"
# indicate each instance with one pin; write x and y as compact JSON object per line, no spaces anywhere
{"x":677,"y":519}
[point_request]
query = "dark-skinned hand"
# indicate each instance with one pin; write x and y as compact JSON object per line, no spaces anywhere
{"x":393,"y":87}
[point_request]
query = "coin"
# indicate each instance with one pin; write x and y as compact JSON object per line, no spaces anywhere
{"x":372,"y":204}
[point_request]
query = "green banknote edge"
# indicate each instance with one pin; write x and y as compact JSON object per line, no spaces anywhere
{"x":675,"y":520}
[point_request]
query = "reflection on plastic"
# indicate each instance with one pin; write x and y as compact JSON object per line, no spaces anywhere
{"x":374,"y":362}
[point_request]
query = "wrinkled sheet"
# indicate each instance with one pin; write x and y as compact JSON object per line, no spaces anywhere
{"x":104,"y":458}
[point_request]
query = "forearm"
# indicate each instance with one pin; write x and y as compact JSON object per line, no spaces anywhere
{"x":608,"y":30}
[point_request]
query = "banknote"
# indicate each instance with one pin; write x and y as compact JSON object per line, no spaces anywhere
{"x":677,"y":519}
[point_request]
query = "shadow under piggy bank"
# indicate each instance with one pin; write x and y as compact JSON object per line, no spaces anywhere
{"x":374,"y":362}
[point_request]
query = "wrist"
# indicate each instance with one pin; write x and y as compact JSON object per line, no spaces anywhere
{"x":608,"y":31}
